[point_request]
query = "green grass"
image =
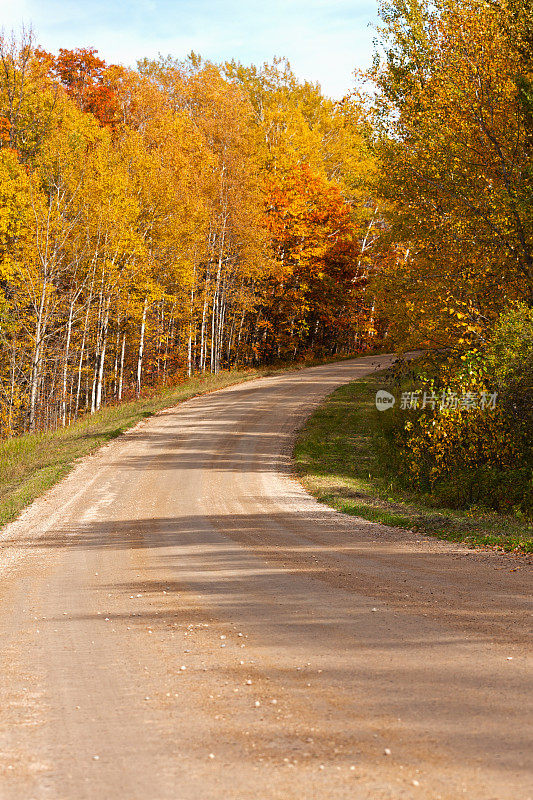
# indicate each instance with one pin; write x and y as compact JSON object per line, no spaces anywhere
{"x":338,"y":462}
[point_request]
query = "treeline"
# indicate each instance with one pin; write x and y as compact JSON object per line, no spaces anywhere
{"x":185,"y":217}
{"x":453,"y":131}
{"x":176,"y":218}
{"x":453,"y":121}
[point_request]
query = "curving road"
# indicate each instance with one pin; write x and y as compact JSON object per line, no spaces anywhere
{"x":179,"y":620}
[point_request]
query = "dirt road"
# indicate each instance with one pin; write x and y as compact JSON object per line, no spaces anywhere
{"x":180,"y":620}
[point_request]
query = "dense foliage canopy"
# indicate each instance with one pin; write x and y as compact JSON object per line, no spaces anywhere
{"x":175,"y":218}
{"x":185,"y":216}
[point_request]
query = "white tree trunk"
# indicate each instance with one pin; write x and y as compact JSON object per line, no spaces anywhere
{"x":141,"y":349}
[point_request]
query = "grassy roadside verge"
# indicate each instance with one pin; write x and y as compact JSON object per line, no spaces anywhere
{"x":337,"y":461}
{"x":33,"y":463}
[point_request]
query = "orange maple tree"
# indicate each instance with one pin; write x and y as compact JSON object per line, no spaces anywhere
{"x":87,"y":80}
{"x":317,"y":296}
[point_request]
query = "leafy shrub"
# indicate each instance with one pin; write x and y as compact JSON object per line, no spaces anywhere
{"x":472,"y":457}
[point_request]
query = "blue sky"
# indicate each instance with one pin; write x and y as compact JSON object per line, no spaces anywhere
{"x":323,"y":39}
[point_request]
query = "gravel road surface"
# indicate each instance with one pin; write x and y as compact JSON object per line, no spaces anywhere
{"x":180,"y":620}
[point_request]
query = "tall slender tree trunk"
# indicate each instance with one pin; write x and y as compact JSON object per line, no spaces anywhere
{"x":82,"y":349}
{"x":202,"y":328}
{"x":115,"y":366}
{"x":102,"y":359}
{"x":216,"y":298}
{"x":37,"y":355}
{"x":10,"y":425}
{"x":141,"y":348}
{"x":191,"y":326}
{"x":121,"y":375}
{"x":65,"y":366}
{"x":98,"y":347}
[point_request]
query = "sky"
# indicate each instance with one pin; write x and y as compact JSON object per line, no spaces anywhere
{"x":325,"y":40}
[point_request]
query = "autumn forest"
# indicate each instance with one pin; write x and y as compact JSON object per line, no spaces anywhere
{"x":177,"y":218}
{"x":186,"y":216}
{"x":266,"y":399}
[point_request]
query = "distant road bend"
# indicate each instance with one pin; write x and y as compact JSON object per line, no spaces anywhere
{"x":181,"y":621}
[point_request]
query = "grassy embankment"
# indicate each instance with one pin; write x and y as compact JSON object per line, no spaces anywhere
{"x":342,"y":462}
